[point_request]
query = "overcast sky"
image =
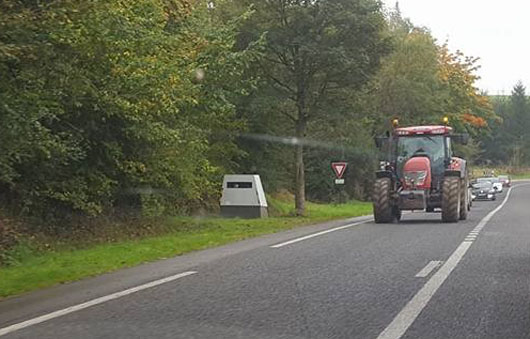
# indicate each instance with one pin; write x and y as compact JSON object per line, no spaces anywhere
{"x":494,"y":30}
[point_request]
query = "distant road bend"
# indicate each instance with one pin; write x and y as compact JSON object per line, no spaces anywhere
{"x":350,"y":279}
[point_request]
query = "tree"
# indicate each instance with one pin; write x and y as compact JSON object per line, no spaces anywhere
{"x":509,"y":139}
{"x":314,"y":50}
{"x":469,"y":108}
{"x":407,"y":86}
{"x":101,"y":105}
{"x":518,"y":124}
{"x":495,"y":145}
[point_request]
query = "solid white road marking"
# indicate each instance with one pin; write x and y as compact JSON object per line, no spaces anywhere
{"x":410,"y":312}
{"x":428,"y":269}
{"x":318,"y":234}
{"x":71,"y":309}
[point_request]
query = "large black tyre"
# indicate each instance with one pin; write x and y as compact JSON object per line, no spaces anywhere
{"x":383,"y":212}
{"x":464,"y":199}
{"x":451,"y":199}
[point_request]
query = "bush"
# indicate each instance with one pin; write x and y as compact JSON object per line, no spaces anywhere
{"x":9,"y":239}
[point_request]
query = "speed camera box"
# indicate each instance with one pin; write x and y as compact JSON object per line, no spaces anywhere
{"x":243,"y":197}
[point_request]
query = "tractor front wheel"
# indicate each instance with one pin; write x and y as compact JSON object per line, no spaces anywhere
{"x":451,"y":197}
{"x":383,"y":210}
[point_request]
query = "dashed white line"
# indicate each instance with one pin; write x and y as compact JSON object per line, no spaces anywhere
{"x":71,"y":309}
{"x":318,"y":234}
{"x":406,"y":317}
{"x":428,"y":269}
{"x":410,"y":312}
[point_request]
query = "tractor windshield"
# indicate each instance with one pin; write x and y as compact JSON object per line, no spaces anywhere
{"x":427,"y":145}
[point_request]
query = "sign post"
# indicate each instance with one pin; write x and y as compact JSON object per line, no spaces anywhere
{"x":339,"y":168}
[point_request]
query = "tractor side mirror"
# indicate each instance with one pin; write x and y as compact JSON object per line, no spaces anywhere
{"x":462,"y":138}
{"x":380,"y":141}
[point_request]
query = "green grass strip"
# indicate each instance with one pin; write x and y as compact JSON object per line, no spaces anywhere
{"x":35,"y":270}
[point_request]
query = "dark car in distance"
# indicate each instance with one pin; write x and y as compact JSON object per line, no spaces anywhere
{"x":483,"y":191}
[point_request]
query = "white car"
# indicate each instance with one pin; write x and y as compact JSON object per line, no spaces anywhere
{"x":497,"y":184}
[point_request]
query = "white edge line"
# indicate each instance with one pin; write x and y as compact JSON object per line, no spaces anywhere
{"x":318,"y":234}
{"x":90,"y":303}
{"x":428,"y":269}
{"x":410,"y":312}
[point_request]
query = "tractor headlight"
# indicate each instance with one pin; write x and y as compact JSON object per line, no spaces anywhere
{"x":415,"y":178}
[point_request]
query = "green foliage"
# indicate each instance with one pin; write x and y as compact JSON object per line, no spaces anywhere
{"x":9,"y":241}
{"x":101,"y":107}
{"x":317,"y":54}
{"x":509,"y":142}
{"x":422,"y":81}
{"x":407,"y":85}
{"x":110,"y":107}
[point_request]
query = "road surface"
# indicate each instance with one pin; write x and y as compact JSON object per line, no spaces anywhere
{"x":416,"y":279}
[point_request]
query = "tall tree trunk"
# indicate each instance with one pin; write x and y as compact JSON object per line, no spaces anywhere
{"x":300,"y":171}
{"x":301,"y":124}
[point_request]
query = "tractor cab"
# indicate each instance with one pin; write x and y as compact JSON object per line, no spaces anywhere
{"x":420,"y":155}
{"x":419,"y":166}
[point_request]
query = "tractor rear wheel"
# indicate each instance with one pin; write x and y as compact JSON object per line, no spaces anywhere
{"x":451,"y":199}
{"x":464,"y":200}
{"x":383,"y":211}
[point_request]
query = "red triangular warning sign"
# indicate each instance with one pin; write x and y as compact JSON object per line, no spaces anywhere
{"x":339,"y":168}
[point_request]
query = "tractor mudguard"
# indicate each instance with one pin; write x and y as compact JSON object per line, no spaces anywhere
{"x":384,"y":174}
{"x":458,"y":164}
{"x":453,"y":173}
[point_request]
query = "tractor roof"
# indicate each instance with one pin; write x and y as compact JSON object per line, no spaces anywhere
{"x":422,"y":130}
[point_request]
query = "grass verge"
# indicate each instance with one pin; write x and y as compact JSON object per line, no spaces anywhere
{"x":515,"y":173}
{"x":62,"y":262}
{"x":521,"y":176}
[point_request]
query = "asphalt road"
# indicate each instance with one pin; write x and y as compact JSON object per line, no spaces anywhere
{"x":416,"y":279}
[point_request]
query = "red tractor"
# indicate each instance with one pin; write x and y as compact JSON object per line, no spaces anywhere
{"x":421,"y":174}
